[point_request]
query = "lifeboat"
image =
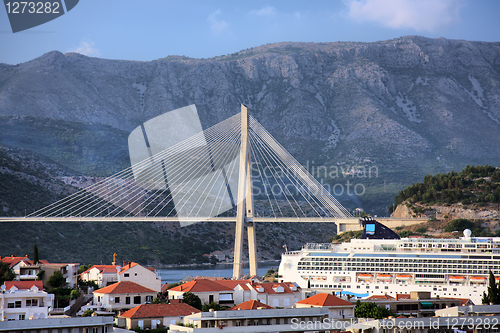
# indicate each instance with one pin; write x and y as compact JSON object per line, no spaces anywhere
{"x":477,"y":279}
{"x":457,"y":278}
{"x":403,"y":277}
{"x":365,"y":276}
{"x":384,"y":276}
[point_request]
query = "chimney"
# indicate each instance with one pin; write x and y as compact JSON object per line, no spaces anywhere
{"x":129,"y":264}
{"x":124,"y":263}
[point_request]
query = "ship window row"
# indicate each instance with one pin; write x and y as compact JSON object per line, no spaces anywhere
{"x":430,"y":266}
{"x":465,"y":263}
{"x":399,"y":270}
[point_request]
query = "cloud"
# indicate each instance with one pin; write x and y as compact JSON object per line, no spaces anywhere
{"x":217,"y":26}
{"x":264,"y":11}
{"x":420,"y":15}
{"x":86,"y":48}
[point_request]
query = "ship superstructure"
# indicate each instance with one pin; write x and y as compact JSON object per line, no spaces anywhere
{"x":382,"y":263}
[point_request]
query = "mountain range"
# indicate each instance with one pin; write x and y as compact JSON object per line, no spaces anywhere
{"x":401,"y":108}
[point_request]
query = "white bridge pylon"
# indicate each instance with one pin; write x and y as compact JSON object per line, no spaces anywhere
{"x":232,"y":171}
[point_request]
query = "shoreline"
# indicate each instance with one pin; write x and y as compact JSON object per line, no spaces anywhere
{"x":166,"y":266}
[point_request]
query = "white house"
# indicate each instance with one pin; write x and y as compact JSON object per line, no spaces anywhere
{"x":123,"y":295}
{"x":21,"y":300}
{"x":208,"y":291}
{"x":102,"y":275}
{"x":231,"y":292}
{"x":145,"y":276}
{"x":282,"y":294}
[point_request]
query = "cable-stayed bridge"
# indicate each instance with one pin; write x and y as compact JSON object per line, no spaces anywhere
{"x":234,"y":171}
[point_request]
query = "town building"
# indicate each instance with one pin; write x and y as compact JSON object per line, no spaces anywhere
{"x":123,"y":295}
{"x":26,"y":269}
{"x":145,"y":276}
{"x":70,"y":325}
{"x":102,"y":275}
{"x":416,"y":304}
{"x":22,"y":300}
{"x":219,"y":255}
{"x":339,"y":308}
{"x":231,"y":292}
{"x":470,"y":310}
{"x":152,"y":316}
{"x":68,"y":270}
{"x":258,"y":321}
{"x":208,"y":291}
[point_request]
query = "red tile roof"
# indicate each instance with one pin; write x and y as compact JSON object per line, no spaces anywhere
{"x":127,"y":267}
{"x":233,"y":283}
{"x":124,"y":287}
{"x":386,"y":297}
{"x":251,"y":305}
{"x":403,"y":296}
{"x":23,"y":285}
{"x":324,"y":299}
{"x":103,"y":269}
{"x":12,"y":261}
{"x":464,"y":301}
{"x":268,"y":287}
{"x":160,"y":310}
{"x":200,"y":286}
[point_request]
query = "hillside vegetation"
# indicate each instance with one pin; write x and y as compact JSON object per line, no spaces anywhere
{"x":474,"y":185}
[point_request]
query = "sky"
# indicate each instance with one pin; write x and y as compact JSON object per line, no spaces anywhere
{"x":151,"y":29}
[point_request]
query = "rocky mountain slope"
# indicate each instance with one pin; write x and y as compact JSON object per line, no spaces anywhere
{"x":378,"y":115}
{"x":407,"y":106}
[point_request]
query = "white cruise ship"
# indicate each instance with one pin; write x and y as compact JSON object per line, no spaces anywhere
{"x":383,"y":263}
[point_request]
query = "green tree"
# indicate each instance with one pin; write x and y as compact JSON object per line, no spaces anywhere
{"x":6,"y":273}
{"x":88,"y":313}
{"x":493,"y":295}
{"x":192,"y":299}
{"x":56,"y":280}
{"x":75,"y":294}
{"x":371,"y":310}
{"x":213,"y":305}
{"x":458,"y":225}
{"x":40,"y":275}
{"x":35,"y":255}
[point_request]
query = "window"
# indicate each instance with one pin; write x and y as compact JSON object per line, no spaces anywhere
{"x":126,"y":275}
{"x":22,"y":317}
{"x":34,"y":302}
{"x":137,"y":299}
{"x":149,"y":299}
{"x":127,"y":300}
{"x":117,"y":300}
{"x":28,"y":302}
{"x":10,"y":305}
{"x":18,"y":304}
